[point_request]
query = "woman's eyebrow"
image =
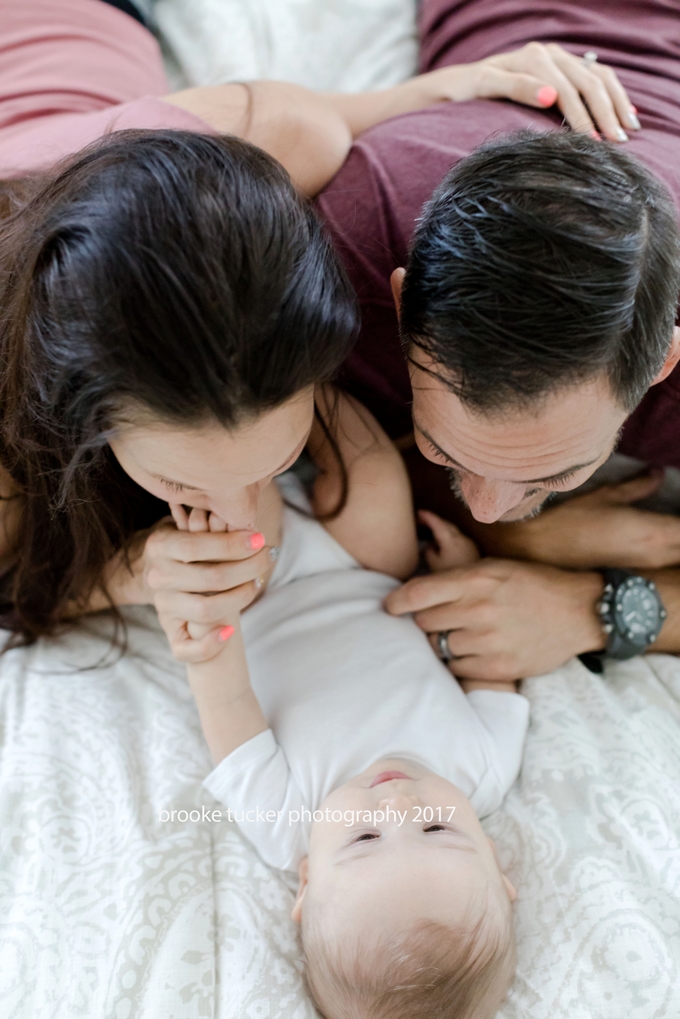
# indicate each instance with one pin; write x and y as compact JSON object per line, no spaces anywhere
{"x":534,"y":481}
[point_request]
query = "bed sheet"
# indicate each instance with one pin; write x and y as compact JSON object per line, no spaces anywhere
{"x":108,"y":909}
{"x":330,"y":45}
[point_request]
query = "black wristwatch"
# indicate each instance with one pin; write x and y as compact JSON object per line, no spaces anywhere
{"x":632,"y":616}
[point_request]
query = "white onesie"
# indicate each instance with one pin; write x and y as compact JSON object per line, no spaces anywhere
{"x":343,"y":684}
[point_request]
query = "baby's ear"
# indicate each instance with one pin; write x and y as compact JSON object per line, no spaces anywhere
{"x":303,"y":871}
{"x":509,"y":887}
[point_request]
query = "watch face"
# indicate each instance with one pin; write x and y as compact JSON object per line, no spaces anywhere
{"x":637,"y":611}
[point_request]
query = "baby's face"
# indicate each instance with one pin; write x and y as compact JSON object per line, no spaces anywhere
{"x":397,"y":842}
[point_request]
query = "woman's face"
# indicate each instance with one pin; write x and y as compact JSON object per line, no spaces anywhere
{"x":222,"y":470}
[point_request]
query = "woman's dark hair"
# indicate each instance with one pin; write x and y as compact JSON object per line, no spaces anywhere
{"x":172,"y":271}
{"x":544,"y":260}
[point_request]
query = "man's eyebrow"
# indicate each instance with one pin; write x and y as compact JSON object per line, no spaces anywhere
{"x":533,"y":481}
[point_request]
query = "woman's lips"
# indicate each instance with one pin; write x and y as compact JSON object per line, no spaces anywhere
{"x":387,"y":776}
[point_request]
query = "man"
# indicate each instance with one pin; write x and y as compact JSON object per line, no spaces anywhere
{"x":519,"y":306}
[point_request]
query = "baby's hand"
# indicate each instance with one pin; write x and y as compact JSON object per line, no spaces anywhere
{"x":451,"y":548}
{"x":196,"y":520}
{"x":195,"y":643}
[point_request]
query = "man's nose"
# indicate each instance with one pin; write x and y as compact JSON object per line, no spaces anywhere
{"x":239,"y":510}
{"x":489,"y":500}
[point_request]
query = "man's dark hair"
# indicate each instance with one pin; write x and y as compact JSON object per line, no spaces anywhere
{"x":541,"y":261}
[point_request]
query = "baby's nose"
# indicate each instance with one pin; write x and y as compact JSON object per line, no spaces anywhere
{"x":398,"y":801}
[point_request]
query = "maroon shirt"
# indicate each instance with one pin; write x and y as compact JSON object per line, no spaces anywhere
{"x":372,"y":204}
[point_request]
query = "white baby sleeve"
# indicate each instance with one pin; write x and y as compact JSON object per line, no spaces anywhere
{"x":255,"y":783}
{"x":505,"y":718}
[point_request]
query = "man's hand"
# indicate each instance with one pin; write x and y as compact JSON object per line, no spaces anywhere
{"x":593,"y":531}
{"x":510,"y":619}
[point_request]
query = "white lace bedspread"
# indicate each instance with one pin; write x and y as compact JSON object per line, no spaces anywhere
{"x":106,"y":911}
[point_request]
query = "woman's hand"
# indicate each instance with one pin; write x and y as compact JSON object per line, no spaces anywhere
{"x":204,"y":578}
{"x":590,"y":96}
{"x":311,"y":133}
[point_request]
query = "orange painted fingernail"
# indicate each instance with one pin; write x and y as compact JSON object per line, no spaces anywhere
{"x":256,"y":541}
{"x":546,"y":95}
{"x":225,"y":633}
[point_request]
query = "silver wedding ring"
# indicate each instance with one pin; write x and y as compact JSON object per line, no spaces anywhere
{"x":443,"y":645}
{"x":589,"y":58}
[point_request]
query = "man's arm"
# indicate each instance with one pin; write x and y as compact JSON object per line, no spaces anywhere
{"x":668,"y":585}
{"x":601,"y":529}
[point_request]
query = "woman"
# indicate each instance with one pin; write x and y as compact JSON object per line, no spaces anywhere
{"x":169,"y":304}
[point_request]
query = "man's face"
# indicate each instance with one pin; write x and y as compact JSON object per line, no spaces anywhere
{"x":504,"y":466}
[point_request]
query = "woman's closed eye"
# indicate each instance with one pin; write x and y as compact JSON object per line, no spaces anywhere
{"x":172,"y":485}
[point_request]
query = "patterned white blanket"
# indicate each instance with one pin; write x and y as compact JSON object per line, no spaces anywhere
{"x":109,"y":910}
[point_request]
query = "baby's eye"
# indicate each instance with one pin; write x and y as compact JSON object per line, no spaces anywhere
{"x":367,"y":837}
{"x":435,"y":827}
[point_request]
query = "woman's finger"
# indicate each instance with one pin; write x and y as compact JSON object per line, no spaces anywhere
{"x":202,"y":577}
{"x":536,"y":60}
{"x":592,"y":88}
{"x":206,"y":609}
{"x":187,"y":547}
{"x":625,"y":110}
{"x":500,"y":83}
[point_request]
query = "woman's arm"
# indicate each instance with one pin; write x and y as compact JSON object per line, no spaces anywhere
{"x":376,"y":525}
{"x":311,"y":133}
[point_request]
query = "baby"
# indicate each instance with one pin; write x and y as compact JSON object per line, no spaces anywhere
{"x":346,"y":750}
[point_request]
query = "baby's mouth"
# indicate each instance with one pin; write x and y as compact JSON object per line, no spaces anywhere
{"x":387,"y":776}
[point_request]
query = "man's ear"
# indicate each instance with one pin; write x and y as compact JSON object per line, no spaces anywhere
{"x":303,"y":871}
{"x":671,"y":360}
{"x":396,"y":282}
